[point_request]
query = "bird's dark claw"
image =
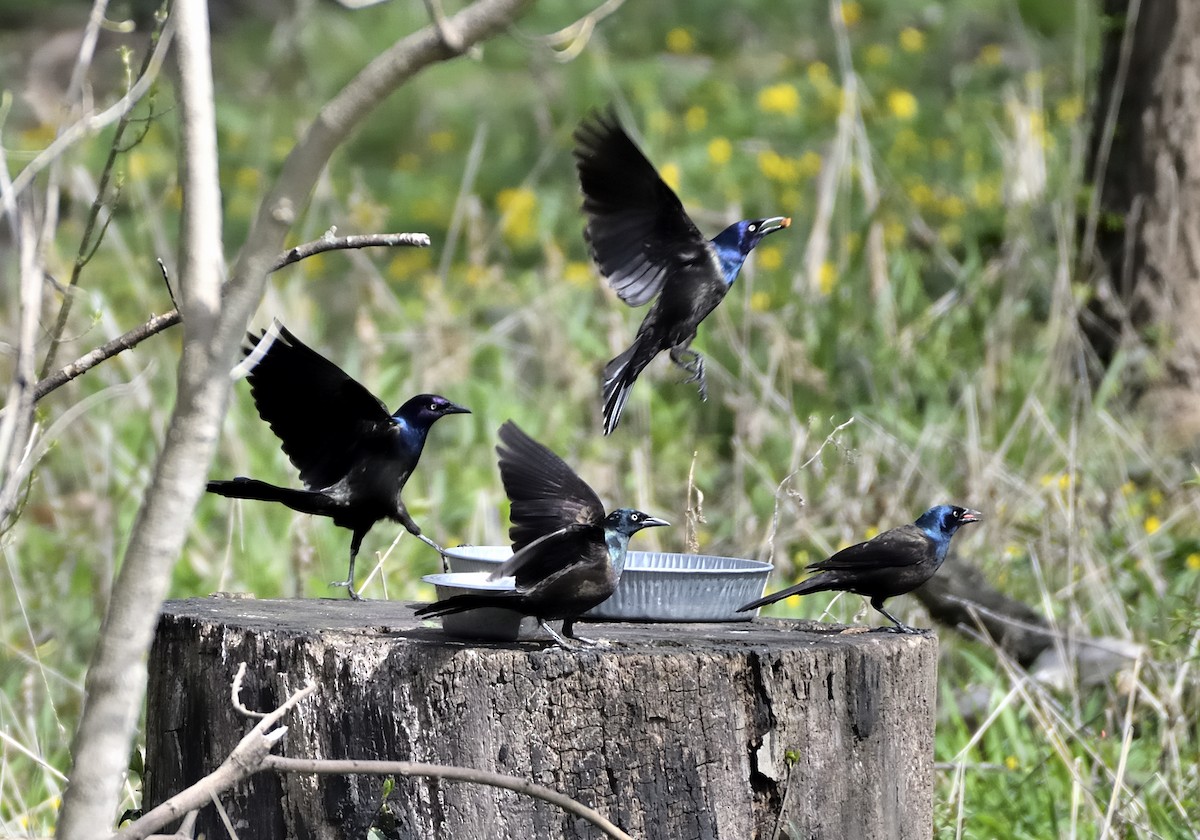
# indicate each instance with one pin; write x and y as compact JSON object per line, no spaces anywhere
{"x":349,"y":586}
{"x":693,"y":363}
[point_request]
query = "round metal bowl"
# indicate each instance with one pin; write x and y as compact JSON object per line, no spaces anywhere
{"x":490,"y":623}
{"x":656,"y":585}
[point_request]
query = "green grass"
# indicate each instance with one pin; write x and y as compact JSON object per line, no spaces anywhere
{"x":956,"y":356}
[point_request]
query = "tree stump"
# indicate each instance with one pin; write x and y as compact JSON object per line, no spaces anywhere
{"x":770,"y":729}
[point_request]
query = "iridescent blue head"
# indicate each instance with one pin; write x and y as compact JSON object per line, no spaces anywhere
{"x":736,"y":242}
{"x":942,"y":521}
{"x":627,"y":521}
{"x":423,"y":410}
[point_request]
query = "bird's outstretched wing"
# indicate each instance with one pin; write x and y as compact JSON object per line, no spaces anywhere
{"x":907,"y":545}
{"x":316,"y":410}
{"x":637,"y":228}
{"x":553,"y":554}
{"x":546,"y":495}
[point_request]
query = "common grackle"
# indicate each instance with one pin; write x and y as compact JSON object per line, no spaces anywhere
{"x":892,"y":563}
{"x":567,"y":555}
{"x":645,"y":244}
{"x":354,"y":458}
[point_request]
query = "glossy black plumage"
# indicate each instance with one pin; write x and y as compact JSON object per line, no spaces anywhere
{"x":646,"y":245}
{"x":567,"y":555}
{"x":892,"y":563}
{"x":353,"y":456}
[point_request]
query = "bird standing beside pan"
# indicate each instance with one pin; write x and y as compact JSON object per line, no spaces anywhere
{"x":567,"y":555}
{"x":643,"y":241}
{"x":354,"y":457}
{"x":892,"y":563}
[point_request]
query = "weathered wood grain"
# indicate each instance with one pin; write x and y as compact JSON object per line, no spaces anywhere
{"x":768,"y":729}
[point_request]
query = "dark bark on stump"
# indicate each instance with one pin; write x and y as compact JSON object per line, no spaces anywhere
{"x":769,"y":729}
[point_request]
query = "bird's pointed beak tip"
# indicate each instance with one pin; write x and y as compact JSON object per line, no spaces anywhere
{"x":778,"y":223}
{"x":458,"y":409}
{"x":972,"y":516}
{"x":654,"y":522}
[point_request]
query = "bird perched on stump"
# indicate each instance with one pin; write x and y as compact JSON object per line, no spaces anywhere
{"x":354,"y":457}
{"x":567,"y":555}
{"x":892,"y":563}
{"x":645,"y":244}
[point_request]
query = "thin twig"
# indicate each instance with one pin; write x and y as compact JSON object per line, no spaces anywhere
{"x":451,"y":773}
{"x":158,"y":323}
{"x":89,"y":243}
{"x":253,"y":755}
{"x":96,"y":122}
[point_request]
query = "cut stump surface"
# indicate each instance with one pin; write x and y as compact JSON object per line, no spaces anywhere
{"x":765,"y":729}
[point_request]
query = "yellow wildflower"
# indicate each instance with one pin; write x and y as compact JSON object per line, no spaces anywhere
{"x":818,"y":72}
{"x":695,"y":119}
{"x":578,"y":273}
{"x":950,"y":235}
{"x":826,"y":277}
{"x":851,"y":13}
{"x":912,"y":40}
{"x":808,"y":165}
{"x":1152,"y":524}
{"x":953,"y":207}
{"x":669,"y":172}
{"x":878,"y":55}
{"x":680,"y":41}
{"x":1193,"y":561}
{"x":871,"y":532}
{"x":409,"y":261}
{"x":518,"y":206}
{"x":985,"y":194}
{"x":1070,"y":109}
{"x":894,"y":232}
{"x":760,"y":301}
{"x":921,"y":194}
{"x":247,"y":177}
{"x":407,"y":162}
{"x":782,"y":98}
{"x":902,"y":104}
{"x":1011,"y":762}
{"x":990,"y":55}
{"x":1127,"y":488}
{"x":720,"y":150}
{"x":1155,"y":498}
{"x":441,"y":141}
{"x":770,"y":257}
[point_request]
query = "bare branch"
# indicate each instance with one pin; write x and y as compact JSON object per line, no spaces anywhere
{"x":158,"y":323}
{"x":329,"y":242}
{"x":451,"y":773}
{"x":253,"y":754}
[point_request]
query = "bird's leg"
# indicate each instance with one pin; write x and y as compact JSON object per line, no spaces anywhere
{"x":693,"y":363}
{"x":900,"y":627}
{"x":568,"y":630}
{"x":411,"y":527}
{"x":355,"y":545}
{"x":562,"y":641}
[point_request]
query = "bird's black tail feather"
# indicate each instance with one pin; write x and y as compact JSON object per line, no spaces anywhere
{"x":619,"y":376}
{"x":816,"y":583}
{"x":301,"y":501}
{"x":462,"y":603}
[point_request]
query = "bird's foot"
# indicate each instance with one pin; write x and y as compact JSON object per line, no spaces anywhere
{"x":902,"y":629}
{"x":567,"y":643}
{"x":349,"y":586}
{"x":600,"y":643}
{"x":693,"y":363}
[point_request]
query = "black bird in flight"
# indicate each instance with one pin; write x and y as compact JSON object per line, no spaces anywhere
{"x":645,"y":244}
{"x":354,"y":457}
{"x":892,"y":563}
{"x":567,"y":555}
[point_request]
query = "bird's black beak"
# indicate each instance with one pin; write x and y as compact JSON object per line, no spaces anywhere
{"x":653,"y":521}
{"x":773,"y":224}
{"x":969,"y":515}
{"x":456,"y":409}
